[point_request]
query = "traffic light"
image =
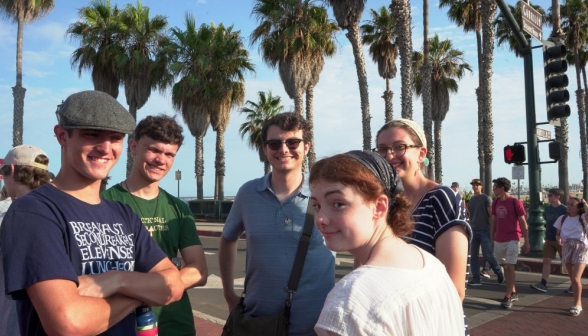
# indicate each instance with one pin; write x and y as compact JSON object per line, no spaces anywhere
{"x":514,"y":154}
{"x":556,"y":80}
{"x":556,"y":150}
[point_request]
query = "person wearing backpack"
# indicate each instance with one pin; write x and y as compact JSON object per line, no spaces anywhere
{"x":507,"y":226}
{"x":571,"y":234}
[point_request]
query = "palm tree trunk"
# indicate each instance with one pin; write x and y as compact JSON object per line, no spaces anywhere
{"x":556,"y":21}
{"x":481,"y":127}
{"x":561,"y":135}
{"x":353,"y":36}
{"x":438,"y":164}
{"x":199,"y":165}
{"x":219,"y":164}
{"x":388,"y":95}
{"x":310,"y":120}
{"x":585,"y":92}
{"x":582,"y":119}
{"x":18,"y":92}
{"x":299,"y":104}
{"x":580,"y":100}
{"x":488,"y":14}
{"x":426,"y":93}
{"x":130,"y":158}
{"x":428,"y":116}
{"x":401,"y":10}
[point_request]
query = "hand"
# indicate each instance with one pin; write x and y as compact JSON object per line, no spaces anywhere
{"x":99,"y":286}
{"x":526,"y":247}
{"x":232,"y":300}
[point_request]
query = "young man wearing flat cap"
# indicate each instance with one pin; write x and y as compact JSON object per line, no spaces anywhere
{"x":85,"y":263}
{"x":480,"y":212}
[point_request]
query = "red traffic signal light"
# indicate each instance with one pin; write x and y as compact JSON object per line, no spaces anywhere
{"x":514,"y":154}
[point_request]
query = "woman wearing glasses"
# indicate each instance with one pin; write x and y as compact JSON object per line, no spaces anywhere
{"x":440,"y":227}
{"x":571,"y":234}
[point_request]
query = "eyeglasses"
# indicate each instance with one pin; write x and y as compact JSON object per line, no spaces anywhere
{"x":275,"y":144}
{"x":496,"y":186}
{"x":397,"y":150}
{"x":6,"y":170}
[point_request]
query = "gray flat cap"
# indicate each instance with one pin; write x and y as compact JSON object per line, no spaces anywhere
{"x":95,"y":110}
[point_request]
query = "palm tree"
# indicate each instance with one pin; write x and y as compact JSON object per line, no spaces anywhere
{"x":183,"y":50}
{"x":401,"y":11}
{"x":448,"y":65}
{"x":141,"y":72}
{"x":258,"y":113}
{"x":348,"y":14}
{"x":21,"y":12}
{"x":468,"y":15}
{"x":426,"y":93}
{"x":295,"y":36}
{"x":380,"y":34}
{"x":211,"y":62}
{"x":97,"y":32}
{"x":574,"y":22}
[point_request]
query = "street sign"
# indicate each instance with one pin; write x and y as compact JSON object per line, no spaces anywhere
{"x":545,"y":134}
{"x":518,"y":172}
{"x":532,"y":21}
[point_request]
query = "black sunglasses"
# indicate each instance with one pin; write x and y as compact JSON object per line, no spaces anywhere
{"x":6,"y":170}
{"x":292,"y":143}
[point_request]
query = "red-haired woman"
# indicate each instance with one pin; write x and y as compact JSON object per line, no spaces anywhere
{"x":400,"y":289}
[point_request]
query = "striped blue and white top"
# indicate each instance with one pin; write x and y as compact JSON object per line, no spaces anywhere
{"x":437,"y":211}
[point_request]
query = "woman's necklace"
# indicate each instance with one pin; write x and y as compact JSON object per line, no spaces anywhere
{"x":137,"y":205}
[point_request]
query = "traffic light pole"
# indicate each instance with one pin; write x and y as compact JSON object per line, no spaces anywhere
{"x":535,"y":219}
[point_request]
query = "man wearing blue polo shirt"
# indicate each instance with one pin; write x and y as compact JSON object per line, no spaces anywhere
{"x":272,"y":211}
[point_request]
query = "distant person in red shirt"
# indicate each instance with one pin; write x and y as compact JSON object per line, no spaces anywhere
{"x":507,"y":226}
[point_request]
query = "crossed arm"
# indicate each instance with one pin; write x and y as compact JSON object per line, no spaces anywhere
{"x":102,"y":300}
{"x":194,"y":270}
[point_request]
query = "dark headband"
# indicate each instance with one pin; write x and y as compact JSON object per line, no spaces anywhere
{"x":382,"y":170}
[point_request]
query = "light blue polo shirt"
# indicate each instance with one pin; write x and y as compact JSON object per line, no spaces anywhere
{"x":273,"y":232}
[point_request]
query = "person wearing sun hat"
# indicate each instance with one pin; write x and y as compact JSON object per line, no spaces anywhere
{"x":480,"y":209}
{"x":85,"y":263}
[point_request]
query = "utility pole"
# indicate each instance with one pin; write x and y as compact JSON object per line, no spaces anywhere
{"x":535,"y":220}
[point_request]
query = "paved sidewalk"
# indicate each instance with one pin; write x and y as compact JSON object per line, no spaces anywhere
{"x":546,"y":317}
{"x":207,"y":328}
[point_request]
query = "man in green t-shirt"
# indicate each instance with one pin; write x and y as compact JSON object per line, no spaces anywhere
{"x":168,"y":219}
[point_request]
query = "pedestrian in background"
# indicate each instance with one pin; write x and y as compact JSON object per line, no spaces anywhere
{"x":571,"y":234}
{"x":400,"y":289}
{"x":480,"y":209}
{"x":24,"y":169}
{"x":507,"y":226}
{"x":551,"y":246}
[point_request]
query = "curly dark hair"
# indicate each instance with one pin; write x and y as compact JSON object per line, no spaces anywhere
{"x":350,"y":172}
{"x":287,"y":121}
{"x":502,"y":182}
{"x":33,"y":177}
{"x":160,"y":128}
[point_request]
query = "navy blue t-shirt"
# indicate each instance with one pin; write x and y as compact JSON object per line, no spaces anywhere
{"x":551,"y":215}
{"x":49,"y":234}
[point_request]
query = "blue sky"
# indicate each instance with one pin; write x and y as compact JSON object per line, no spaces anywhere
{"x":49,"y":79}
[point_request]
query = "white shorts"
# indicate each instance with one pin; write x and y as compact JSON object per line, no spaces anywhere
{"x":507,"y":252}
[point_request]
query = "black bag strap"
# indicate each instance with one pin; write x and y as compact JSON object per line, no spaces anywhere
{"x":299,"y":260}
